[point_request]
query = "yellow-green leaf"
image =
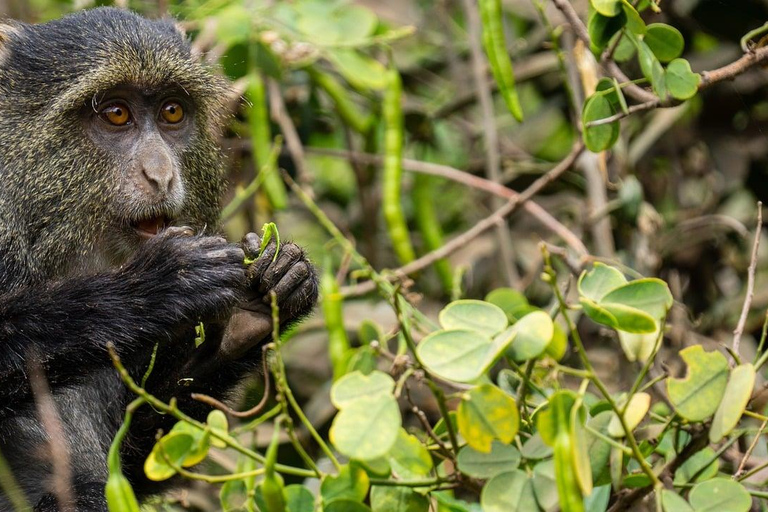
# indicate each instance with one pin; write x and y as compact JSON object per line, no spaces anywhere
{"x":697,"y":395}
{"x":487,"y":413}
{"x":734,"y":402}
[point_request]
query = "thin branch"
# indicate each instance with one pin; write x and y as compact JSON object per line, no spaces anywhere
{"x":58,"y":445}
{"x":279,"y":114}
{"x":743,"y":463}
{"x":492,"y":220}
{"x":621,"y":114}
{"x":256,"y":409}
{"x":490,"y":132}
{"x":470,"y":180}
{"x":750,"y":282}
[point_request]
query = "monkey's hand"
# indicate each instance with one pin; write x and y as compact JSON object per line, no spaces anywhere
{"x":290,"y":276}
{"x":186,"y":277}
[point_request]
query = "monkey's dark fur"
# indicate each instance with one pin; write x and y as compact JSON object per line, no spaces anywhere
{"x":76,"y":274}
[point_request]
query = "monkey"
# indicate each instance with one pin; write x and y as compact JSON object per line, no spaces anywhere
{"x":110,"y":182}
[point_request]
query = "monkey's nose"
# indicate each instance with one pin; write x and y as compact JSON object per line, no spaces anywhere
{"x":158,"y":172}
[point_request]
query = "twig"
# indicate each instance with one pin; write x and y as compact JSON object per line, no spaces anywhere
{"x":470,"y":180}
{"x":241,"y":414}
{"x":490,"y":132}
{"x":750,"y":281}
{"x":648,"y":105}
{"x":748,"y":453}
{"x":58,"y":445}
{"x":492,"y":220}
{"x":279,"y":114}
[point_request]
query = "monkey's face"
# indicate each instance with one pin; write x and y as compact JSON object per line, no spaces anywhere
{"x":145,"y":136}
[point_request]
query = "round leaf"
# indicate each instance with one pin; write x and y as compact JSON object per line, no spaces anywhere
{"x":366,"y":428}
{"x":511,"y":301}
{"x":599,"y":281}
{"x":409,"y":458}
{"x":682,"y":83}
{"x":536,"y":449}
{"x":734,"y":402}
{"x":602,"y":28}
{"x":405,"y":499}
{"x":702,"y":465}
{"x":629,"y":319}
{"x":666,"y":42}
{"x":639,"y":346}
{"x":459,"y":355}
{"x":649,"y":295}
{"x":218,"y":423}
{"x":556,"y":417}
{"x":636,"y":411}
{"x":672,"y":502}
{"x":173,"y":447}
{"x":545,"y":486}
{"x":351,"y":483}
{"x":361,"y":71}
{"x":502,"y":458}
{"x":509,"y":492}
{"x":533,"y":333}
{"x":487,"y":413}
{"x":345,"y":505}
{"x":475,"y":315}
{"x":697,"y":395}
{"x":355,"y":386}
{"x":601,"y":137}
{"x":720,"y":494}
{"x":299,"y":499}
{"x":607,"y":7}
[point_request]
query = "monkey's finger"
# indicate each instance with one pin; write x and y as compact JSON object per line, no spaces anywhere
{"x":301,"y":299}
{"x":292,"y":279}
{"x":177,"y":231}
{"x":259,"y":267}
{"x":251,"y":244}
{"x":289,"y":254}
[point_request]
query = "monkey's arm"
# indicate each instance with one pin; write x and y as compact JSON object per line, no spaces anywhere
{"x":169,"y":285}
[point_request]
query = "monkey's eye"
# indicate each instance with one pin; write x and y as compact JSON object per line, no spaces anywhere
{"x":116,"y":114}
{"x":172,"y":112}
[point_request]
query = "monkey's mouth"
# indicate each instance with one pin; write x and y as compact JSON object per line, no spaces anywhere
{"x":150,"y":226}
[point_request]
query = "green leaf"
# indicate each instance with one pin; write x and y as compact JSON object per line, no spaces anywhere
{"x":556,"y":416}
{"x":636,"y":411}
{"x":666,"y":42}
{"x":735,"y":399}
{"x":355,"y":386}
{"x":536,"y":449}
{"x":509,"y":492}
{"x":218,"y":423}
{"x":599,"y":281}
{"x":351,"y":483}
{"x":634,"y":22}
{"x":475,"y":315}
{"x":299,"y":499}
{"x":682,"y":83}
{"x":409,"y":457}
{"x":702,"y":464}
{"x":651,"y":68}
{"x":697,"y":395}
{"x":649,"y":295}
{"x":559,"y":344}
{"x":366,"y":428}
{"x":604,"y":136}
{"x":175,"y":447}
{"x":460,"y":355}
{"x":602,"y":28}
{"x":531,"y":334}
{"x":332,"y":24}
{"x":639,"y":346}
{"x":369,"y":332}
{"x":405,"y":499}
{"x":486,"y":413}
{"x":345,"y":505}
{"x":511,"y":301}
{"x":673,"y":502}
{"x":608,"y":8}
{"x":628,"y":318}
{"x":361,"y":71}
{"x":720,"y":494}
{"x":545,"y":486}
{"x":502,"y":458}
{"x":625,"y":49}
{"x":599,"y":450}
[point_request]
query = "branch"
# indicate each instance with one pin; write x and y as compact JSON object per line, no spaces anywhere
{"x":470,"y":180}
{"x":750,"y":282}
{"x":492,"y":220}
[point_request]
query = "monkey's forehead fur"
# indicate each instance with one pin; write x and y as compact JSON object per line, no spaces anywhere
{"x":69,"y":61}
